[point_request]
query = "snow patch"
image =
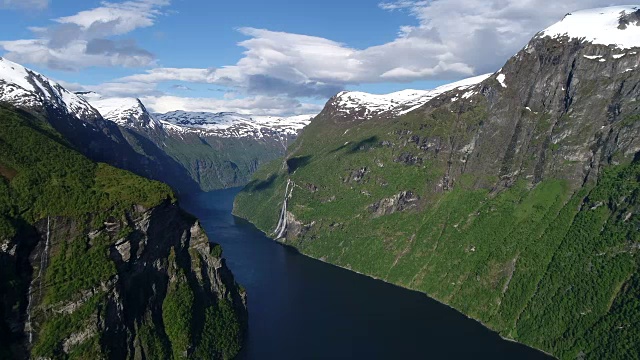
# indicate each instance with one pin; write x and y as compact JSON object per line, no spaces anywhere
{"x":468,"y":94}
{"x":122,"y":111}
{"x":24,"y":88}
{"x":229,"y":124}
{"x":603,"y":26}
{"x":365,"y":106}
{"x":501,"y":78}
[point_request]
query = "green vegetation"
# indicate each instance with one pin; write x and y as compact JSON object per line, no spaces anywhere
{"x":177,"y":313}
{"x":42,"y":178}
{"x":222,"y":334}
{"x":546,"y":265}
{"x":50,"y":179}
{"x":78,"y":257}
{"x":216,"y":250}
{"x":45,"y":183}
{"x":217,"y":163}
{"x":60,"y":326}
{"x":152,"y":342}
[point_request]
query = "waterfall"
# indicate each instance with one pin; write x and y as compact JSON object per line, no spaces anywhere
{"x":43,"y":263}
{"x":44,"y":257}
{"x":27,"y":326}
{"x":282,"y":222}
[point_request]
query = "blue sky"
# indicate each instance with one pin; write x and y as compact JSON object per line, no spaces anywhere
{"x":276,"y":57}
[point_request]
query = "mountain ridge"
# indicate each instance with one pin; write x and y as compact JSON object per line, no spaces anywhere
{"x":97,"y":262}
{"x":126,"y":135}
{"x":515,"y":204}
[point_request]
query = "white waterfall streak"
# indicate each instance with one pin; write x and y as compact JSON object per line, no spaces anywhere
{"x":28,"y":326}
{"x":45,"y":254}
{"x":282,"y":222}
{"x":43,"y":263}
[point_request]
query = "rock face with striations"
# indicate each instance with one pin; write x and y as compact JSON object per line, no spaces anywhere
{"x":153,"y":251}
{"x":98,"y":263}
{"x":523,"y":209}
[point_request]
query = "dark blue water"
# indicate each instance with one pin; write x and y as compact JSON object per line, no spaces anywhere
{"x":301,"y":308}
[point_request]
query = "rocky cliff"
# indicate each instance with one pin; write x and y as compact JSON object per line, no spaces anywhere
{"x":512,"y":198}
{"x":99,"y":263}
{"x":118,"y":306}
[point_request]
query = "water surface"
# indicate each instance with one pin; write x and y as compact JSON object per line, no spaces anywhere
{"x":301,"y":308}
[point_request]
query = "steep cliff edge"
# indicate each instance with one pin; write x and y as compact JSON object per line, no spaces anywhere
{"x":513,"y":199}
{"x":99,"y":263}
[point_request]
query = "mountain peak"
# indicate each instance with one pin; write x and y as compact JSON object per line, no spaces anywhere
{"x":615,"y":25}
{"x":122,"y":111}
{"x":231,"y":124}
{"x":30,"y":90}
{"x":363,"y":105}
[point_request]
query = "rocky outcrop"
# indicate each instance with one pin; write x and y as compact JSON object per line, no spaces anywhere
{"x":121,"y":314}
{"x":400,"y":202}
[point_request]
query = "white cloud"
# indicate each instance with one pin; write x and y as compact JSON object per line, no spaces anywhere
{"x":86,"y":38}
{"x":24,"y":4}
{"x":157,"y":101}
{"x":258,"y":105}
{"x":116,"y":89}
{"x":453,"y":39}
{"x":117,"y":18}
{"x":450,"y":39}
{"x":194,"y":75}
{"x":132,"y":89}
{"x":479,"y":35}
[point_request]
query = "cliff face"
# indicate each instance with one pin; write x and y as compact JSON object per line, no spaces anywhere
{"x":513,"y":200}
{"x":211,"y":161}
{"x":154,"y":255}
{"x":560,"y":108}
{"x":98,"y":263}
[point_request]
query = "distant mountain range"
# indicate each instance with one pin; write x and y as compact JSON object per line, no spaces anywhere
{"x":188,"y":150}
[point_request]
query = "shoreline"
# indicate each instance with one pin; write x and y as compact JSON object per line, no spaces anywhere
{"x":293,"y":248}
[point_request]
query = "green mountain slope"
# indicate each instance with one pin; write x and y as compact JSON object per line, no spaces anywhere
{"x":99,"y":263}
{"x":211,"y":162}
{"x":515,"y":201}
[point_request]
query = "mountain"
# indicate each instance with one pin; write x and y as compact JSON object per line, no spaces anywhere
{"x":234,"y":125}
{"x":84,"y":127}
{"x":355,"y":105}
{"x":27,"y":89}
{"x":178,"y":148}
{"x":127,"y":112}
{"x":514,"y":200}
{"x":215,"y":150}
{"x":96,"y":262}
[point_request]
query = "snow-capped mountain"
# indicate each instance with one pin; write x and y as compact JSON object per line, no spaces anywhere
{"x":360,"y":105}
{"x":129,"y":112}
{"x":30,"y":90}
{"x":617,"y":25}
{"x":229,"y":124}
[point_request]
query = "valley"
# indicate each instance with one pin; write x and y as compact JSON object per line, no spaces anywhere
{"x":511,"y":198}
{"x":497,"y":216}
